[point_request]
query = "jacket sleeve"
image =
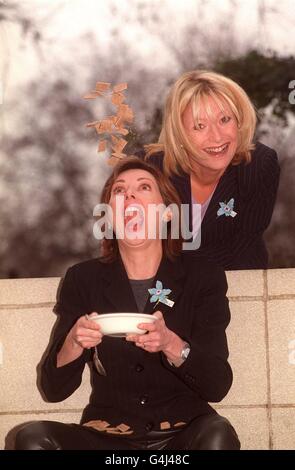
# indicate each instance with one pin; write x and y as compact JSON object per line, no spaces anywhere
{"x":258,"y":184}
{"x":206,"y":370}
{"x":58,"y":383}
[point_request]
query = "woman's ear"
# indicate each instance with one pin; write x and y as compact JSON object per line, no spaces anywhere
{"x":167,"y":215}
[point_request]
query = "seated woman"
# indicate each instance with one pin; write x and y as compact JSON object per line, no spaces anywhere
{"x":150,"y":391}
{"x":206,"y":148}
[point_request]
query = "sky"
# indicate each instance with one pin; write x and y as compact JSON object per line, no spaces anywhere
{"x":256,"y":23}
{"x":265,"y":23}
{"x":146,"y":29}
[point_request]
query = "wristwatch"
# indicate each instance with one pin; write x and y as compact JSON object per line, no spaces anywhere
{"x":185,"y":351}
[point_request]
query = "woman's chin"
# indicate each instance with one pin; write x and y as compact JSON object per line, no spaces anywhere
{"x":128,"y":242}
{"x":219,"y":165}
{"x":219,"y":162}
{"x":133,"y":242}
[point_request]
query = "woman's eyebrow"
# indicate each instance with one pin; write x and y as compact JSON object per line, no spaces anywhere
{"x":144,"y":178}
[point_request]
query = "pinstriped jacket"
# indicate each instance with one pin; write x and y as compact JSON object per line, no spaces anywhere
{"x":142,"y":389}
{"x":236,"y":243}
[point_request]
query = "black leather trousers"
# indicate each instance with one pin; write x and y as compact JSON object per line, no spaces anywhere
{"x":208,"y":432}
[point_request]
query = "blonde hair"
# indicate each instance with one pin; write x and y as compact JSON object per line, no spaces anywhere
{"x":194,"y":87}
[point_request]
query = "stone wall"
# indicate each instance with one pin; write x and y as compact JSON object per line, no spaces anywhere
{"x":261,"y":335}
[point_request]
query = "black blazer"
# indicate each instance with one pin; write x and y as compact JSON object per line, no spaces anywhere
{"x":142,"y":389}
{"x":236,"y":243}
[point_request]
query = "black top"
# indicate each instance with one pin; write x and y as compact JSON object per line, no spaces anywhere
{"x":236,"y":242}
{"x":142,"y":389}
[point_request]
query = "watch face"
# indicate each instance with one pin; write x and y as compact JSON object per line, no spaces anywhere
{"x":185,"y":352}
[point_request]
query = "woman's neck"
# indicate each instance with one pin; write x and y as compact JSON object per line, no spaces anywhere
{"x":205,"y":177}
{"x":141,"y":262}
{"x":202,"y":189}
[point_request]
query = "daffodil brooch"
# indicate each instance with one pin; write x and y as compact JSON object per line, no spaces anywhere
{"x":227,"y":209}
{"x":158,"y":294}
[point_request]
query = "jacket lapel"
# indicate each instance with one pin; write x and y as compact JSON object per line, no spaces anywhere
{"x":183,"y":185}
{"x":171,"y":275}
{"x":224,"y":191}
{"x":117,"y":290}
{"x":118,"y":295}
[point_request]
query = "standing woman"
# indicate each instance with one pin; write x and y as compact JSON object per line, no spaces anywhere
{"x":206,"y":147}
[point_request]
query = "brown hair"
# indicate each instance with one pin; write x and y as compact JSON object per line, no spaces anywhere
{"x":171,"y":246}
{"x":194,"y":87}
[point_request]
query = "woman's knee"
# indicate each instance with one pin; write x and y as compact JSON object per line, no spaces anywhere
{"x":217,"y":433}
{"x":34,"y":436}
{"x":209,"y":432}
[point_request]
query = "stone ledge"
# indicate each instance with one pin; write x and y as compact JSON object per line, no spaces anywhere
{"x":252,"y":426}
{"x":245,"y":283}
{"x":30,"y":330}
{"x":30,"y":292}
{"x":261,"y":403}
{"x":281,"y":281}
{"x":26,"y":292}
{"x":281,"y":327}
{"x":247,"y":347}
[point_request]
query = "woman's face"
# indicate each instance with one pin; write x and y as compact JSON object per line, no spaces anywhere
{"x":132,"y":194}
{"x":215,"y":138}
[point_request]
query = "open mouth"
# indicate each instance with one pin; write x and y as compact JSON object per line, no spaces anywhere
{"x":133,"y":217}
{"x":217,"y":151}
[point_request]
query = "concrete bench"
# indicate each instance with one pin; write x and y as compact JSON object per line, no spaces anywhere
{"x":261,"y":403}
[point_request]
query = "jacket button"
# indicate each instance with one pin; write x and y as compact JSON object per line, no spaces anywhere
{"x":149,"y":426}
{"x":189,"y":377}
{"x":144,"y":399}
{"x":139,"y":368}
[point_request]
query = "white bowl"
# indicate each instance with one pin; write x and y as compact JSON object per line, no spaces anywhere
{"x":122,"y":324}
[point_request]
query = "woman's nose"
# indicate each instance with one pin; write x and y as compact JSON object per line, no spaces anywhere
{"x":216,"y":133}
{"x":129,"y":194}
